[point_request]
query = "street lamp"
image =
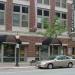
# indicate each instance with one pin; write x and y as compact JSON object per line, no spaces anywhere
{"x":17,"y":49}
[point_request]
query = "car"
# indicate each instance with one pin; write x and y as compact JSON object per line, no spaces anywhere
{"x":56,"y":61}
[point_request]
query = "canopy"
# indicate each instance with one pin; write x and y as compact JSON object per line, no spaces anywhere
{"x":51,"y":41}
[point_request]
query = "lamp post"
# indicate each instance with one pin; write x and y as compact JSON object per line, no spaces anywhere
{"x":17,"y":49}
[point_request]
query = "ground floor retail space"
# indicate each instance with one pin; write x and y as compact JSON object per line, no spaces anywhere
{"x":8,"y":52}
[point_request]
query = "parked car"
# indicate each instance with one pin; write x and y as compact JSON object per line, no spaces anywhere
{"x":56,"y":61}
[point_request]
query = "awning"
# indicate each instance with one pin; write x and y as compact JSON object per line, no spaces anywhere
{"x":51,"y":41}
{"x":3,"y":38}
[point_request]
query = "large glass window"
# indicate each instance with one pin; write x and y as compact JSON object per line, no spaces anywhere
{"x":43,"y":15}
{"x":24,"y":9}
{"x":46,"y":13}
{"x":58,"y":3}
{"x":2,"y":8}
{"x":16,"y":19}
{"x":24,"y":20}
{"x":46,"y":2}
{"x":39,"y":12}
{"x":1,"y":18}
{"x":20,"y":16}
{"x":61,"y":3}
{"x":39,"y":24}
{"x":64,"y":3}
{"x":39,"y":1}
{"x":16,"y":8}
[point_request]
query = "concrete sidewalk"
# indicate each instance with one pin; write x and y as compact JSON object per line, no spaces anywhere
{"x":12,"y":65}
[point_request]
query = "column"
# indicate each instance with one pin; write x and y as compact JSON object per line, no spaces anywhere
{"x":33,"y":16}
{"x":8,"y":15}
{"x":69,"y":15}
{"x":52,"y":11}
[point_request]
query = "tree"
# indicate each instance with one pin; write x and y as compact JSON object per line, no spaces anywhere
{"x":53,"y":31}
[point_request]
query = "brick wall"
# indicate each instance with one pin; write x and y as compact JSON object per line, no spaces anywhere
{"x":69,"y":17}
{"x":52,"y":11}
{"x":9,"y":15}
{"x":32,"y":16}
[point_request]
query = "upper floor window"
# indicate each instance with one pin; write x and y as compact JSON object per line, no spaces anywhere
{"x":64,"y":3}
{"x":24,"y":9}
{"x":43,"y":2}
{"x":39,"y":1}
{"x":61,"y":3}
{"x":58,"y":3}
{"x":46,"y":13}
{"x":46,"y":2}
{"x":39,"y":12}
{"x":16,"y":8}
{"x":1,"y":18}
{"x":2,"y":7}
{"x":43,"y":15}
{"x":20,"y":16}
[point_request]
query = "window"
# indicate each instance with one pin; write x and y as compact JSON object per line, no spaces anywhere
{"x":64,"y":3}
{"x":42,"y":14}
{"x":58,"y":14}
{"x":39,"y":1}
{"x":58,"y":3}
{"x":39,"y":12}
{"x":1,"y":18}
{"x":46,"y":13}
{"x":63,"y":15}
{"x":20,"y":16}
{"x":46,"y":2}
{"x":24,"y":9}
{"x":24,"y":20}
{"x":39,"y":24}
{"x":2,"y":7}
{"x":16,"y":8}
{"x":16,"y":19}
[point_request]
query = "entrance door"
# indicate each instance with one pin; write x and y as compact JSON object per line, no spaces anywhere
{"x":9,"y":53}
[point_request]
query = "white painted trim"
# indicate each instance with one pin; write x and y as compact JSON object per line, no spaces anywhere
{"x":25,"y":43}
{"x":60,"y":9}
{"x":70,"y":1}
{"x":4,"y":0}
{"x":38,"y":43}
{"x":21,"y":2}
{"x":43,"y":6}
{"x":64,"y":44}
{"x":20,"y":33}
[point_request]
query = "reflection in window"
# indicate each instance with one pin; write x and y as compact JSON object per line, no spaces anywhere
{"x":24,"y":9}
{"x":24,"y":20}
{"x":46,"y":13}
{"x":16,"y":8}
{"x":39,"y":1}
{"x":2,"y":7}
{"x":1,"y":18}
{"x":16,"y":19}
{"x":46,"y":2}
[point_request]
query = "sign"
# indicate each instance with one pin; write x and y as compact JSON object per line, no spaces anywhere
{"x":17,"y":45}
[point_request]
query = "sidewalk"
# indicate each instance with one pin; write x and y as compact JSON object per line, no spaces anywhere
{"x":12,"y":65}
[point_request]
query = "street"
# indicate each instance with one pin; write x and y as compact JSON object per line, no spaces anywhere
{"x":35,"y":71}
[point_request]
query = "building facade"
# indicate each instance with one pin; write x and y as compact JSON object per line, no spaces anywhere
{"x":26,"y":17}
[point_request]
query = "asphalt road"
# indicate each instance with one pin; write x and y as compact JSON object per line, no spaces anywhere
{"x":35,"y":71}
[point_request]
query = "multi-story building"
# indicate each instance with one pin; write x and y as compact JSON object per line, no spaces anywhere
{"x":25,"y":17}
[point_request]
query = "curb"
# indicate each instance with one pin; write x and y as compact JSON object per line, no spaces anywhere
{"x":17,"y":67}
